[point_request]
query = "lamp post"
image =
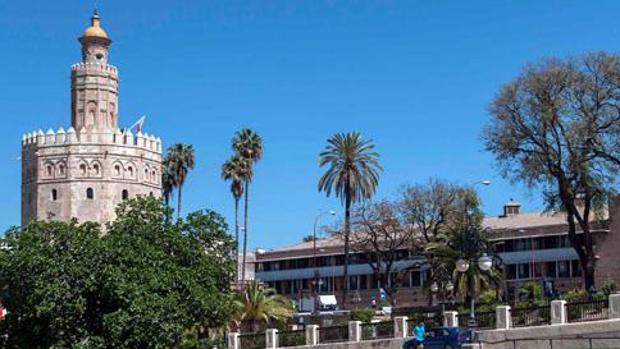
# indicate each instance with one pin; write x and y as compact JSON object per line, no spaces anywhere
{"x":444,"y":287}
{"x":462,"y":265}
{"x":315,"y":264}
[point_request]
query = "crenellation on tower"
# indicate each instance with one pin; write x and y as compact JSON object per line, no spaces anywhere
{"x":87,"y":170}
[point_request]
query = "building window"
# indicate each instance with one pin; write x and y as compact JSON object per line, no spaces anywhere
{"x":146,"y":174}
{"x":49,"y":170}
{"x":523,"y":271}
{"x":563,"y":269}
{"x":154,"y":176}
{"x":117,"y":170}
{"x":90,"y":193}
{"x":125,"y":194}
{"x":96,"y":169}
{"x":54,"y":195}
{"x":61,"y":169}
{"x":363,"y":282}
{"x":575,"y":268}
{"x":130,"y":171}
{"x":550,"y":270}
{"x":83,"y":169}
{"x":353,"y":283}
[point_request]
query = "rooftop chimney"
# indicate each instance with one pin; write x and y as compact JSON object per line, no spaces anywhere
{"x":511,"y":208}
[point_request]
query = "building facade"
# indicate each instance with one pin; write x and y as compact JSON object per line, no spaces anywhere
{"x":85,"y":171}
{"x":532,"y":246}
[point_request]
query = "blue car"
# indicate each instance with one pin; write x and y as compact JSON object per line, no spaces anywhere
{"x":444,"y":338}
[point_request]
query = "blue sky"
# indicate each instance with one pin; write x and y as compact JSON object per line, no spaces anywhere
{"x":415,"y":76}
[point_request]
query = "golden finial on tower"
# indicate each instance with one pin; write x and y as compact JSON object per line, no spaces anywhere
{"x":95,"y":29}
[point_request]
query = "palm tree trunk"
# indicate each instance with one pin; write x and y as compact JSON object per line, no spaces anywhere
{"x":347,"y":233}
{"x":236,"y":239}
{"x":245,"y":231}
{"x":179,"y":201}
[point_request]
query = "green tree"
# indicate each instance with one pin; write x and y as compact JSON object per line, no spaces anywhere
{"x":167,"y":182}
{"x":465,"y":239}
{"x":180,"y":160}
{"x":352,"y":174}
{"x":142,"y":284}
{"x":235,"y":170}
{"x":556,"y":128}
{"x":248,"y":146}
{"x":258,"y":306}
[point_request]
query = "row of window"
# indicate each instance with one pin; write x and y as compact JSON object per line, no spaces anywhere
{"x":322,"y":261}
{"x":529,"y":244}
{"x":95,"y":170}
{"x":90,"y":194}
{"x":552,"y":270}
{"x":414,"y":278}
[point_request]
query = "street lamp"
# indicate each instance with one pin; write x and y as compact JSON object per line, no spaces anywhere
{"x":446,"y":287}
{"x":316,"y":266}
{"x":462,"y":265}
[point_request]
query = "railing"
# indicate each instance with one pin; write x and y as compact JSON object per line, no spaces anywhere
{"x":291,"y":338}
{"x":531,"y":316}
{"x":484,"y":320}
{"x":377,"y":330}
{"x":587,"y":311}
{"x":333,"y":334}
{"x":252,"y":341}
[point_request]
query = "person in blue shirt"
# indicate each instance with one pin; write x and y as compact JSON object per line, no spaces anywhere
{"x":419,"y":331}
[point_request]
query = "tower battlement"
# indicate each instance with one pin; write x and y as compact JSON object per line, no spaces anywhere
{"x":88,"y":67}
{"x":38,"y":139}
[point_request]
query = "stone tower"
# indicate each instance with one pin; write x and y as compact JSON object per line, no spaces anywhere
{"x":87,"y":170}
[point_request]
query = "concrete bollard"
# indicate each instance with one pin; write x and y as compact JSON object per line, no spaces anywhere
{"x":355,"y":331}
{"x":558,"y":312}
{"x":450,"y":319}
{"x":233,"y":340}
{"x":400,"y":327}
{"x":614,"y":306}
{"x":503,"y":318}
{"x":271,"y":338}
{"x":312,"y":334}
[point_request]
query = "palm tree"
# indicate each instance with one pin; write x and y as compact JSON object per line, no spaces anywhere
{"x":234,"y":170}
{"x":180,"y":159}
{"x":167,"y":182}
{"x":353,"y":175}
{"x":467,"y":242}
{"x":248,"y":145}
{"x":257,"y":305}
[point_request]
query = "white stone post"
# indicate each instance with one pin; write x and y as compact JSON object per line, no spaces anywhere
{"x":233,"y":340}
{"x":271,"y":338}
{"x":450,"y":319}
{"x":355,"y":331}
{"x":614,"y":306}
{"x":400,"y":327}
{"x":558,"y":312}
{"x":503,"y":317}
{"x":312,"y":334}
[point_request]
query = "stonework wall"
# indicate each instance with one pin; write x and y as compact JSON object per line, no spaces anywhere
{"x":86,"y":175}
{"x":608,"y":248}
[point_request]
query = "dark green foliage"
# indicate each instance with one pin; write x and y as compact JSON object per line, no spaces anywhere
{"x":143,"y":283}
{"x":363,"y":315}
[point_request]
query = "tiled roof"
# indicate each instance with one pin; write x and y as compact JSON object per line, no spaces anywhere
{"x":532,"y":221}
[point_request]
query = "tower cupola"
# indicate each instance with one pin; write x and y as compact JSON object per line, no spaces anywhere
{"x":95,"y":42}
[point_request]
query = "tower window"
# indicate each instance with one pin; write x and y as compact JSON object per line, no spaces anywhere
{"x":49,"y":170}
{"x":117,"y":170}
{"x":130,"y":170}
{"x":61,"y":169}
{"x":54,"y":194}
{"x":90,"y":193}
{"x":125,"y":194}
{"x":96,"y":169}
{"x":99,"y":56}
{"x":83,"y":169}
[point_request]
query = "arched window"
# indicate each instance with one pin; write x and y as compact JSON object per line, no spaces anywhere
{"x":130,"y":171}
{"x":54,"y":194}
{"x":125,"y":194}
{"x":117,"y":170}
{"x":154,"y":174}
{"x":61,"y":169}
{"x":96,"y":169}
{"x":146,"y":174}
{"x":83,"y":169}
{"x":151,"y":194}
{"x":48,"y":169}
{"x":90,"y":193}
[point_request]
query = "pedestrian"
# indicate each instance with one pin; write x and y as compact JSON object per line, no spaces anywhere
{"x":373,"y":303}
{"x":419,"y":331}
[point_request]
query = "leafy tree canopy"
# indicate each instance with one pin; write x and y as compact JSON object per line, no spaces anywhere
{"x":141,"y":283}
